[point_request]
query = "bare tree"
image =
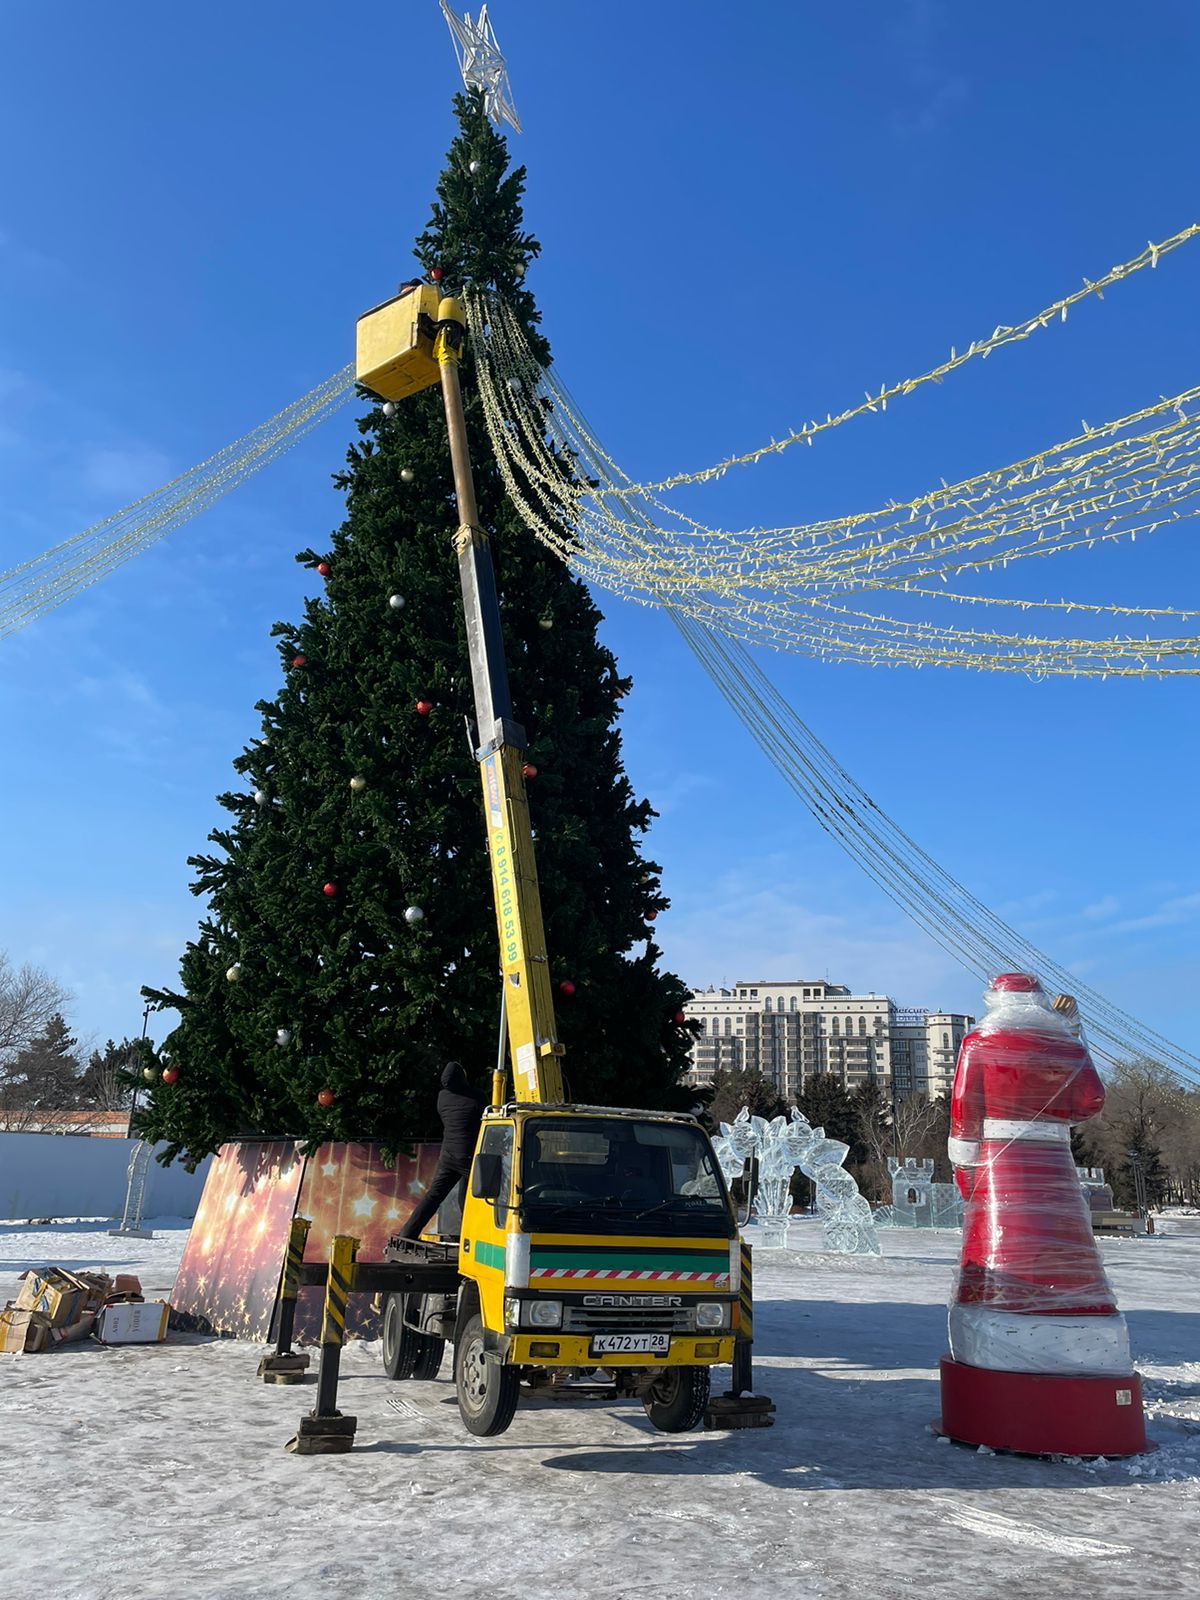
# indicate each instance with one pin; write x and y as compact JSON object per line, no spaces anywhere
{"x":29,"y":999}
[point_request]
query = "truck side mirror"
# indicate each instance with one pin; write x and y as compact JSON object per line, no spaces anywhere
{"x":487,"y":1175}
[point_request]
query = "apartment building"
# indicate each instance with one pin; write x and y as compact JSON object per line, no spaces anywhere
{"x":794,"y":1029}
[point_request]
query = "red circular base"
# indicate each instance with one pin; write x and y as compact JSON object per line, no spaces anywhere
{"x":1043,"y":1414}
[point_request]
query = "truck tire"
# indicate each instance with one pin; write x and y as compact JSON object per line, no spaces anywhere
{"x":429,"y":1356}
{"x":399,"y":1342}
{"x":676,"y":1399}
{"x":487,"y":1390}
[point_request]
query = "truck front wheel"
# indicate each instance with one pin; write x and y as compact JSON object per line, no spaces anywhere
{"x":487,"y":1389}
{"x":676,"y":1398}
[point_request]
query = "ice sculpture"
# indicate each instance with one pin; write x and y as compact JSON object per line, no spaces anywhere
{"x":918,"y":1202}
{"x":781,"y":1146}
{"x":736,"y":1144}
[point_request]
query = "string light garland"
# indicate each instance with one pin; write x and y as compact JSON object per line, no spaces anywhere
{"x":1000,"y":336}
{"x":1133,"y":475}
{"x":38,"y":585}
{"x":956,"y":920}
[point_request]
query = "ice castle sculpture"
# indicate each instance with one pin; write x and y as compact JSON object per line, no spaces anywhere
{"x":781,"y":1146}
{"x":918,"y":1202}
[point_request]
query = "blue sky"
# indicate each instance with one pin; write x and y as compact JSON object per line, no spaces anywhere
{"x":197,"y":203}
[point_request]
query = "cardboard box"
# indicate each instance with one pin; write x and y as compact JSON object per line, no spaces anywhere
{"x":22,"y":1330}
{"x":60,"y":1296}
{"x":75,"y":1330}
{"x":133,"y":1322}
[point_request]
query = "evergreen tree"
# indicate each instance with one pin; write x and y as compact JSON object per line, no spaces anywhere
{"x":735,"y":1087}
{"x":313,"y":969}
{"x":827,"y":1105}
{"x":45,"y":1075}
{"x":110,"y":1075}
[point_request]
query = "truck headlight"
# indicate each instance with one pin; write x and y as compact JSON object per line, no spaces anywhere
{"x":544,"y":1313}
{"x":712,"y":1314}
{"x":512,"y":1313}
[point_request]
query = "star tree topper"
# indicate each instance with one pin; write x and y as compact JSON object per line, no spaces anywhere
{"x":481,"y":64}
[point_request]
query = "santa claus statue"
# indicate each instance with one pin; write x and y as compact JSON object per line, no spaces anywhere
{"x":1039,"y":1354}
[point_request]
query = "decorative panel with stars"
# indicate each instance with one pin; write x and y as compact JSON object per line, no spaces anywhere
{"x":347,"y":1189}
{"x":229,"y":1275}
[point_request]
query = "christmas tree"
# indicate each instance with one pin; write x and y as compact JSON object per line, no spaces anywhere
{"x":349,"y":946}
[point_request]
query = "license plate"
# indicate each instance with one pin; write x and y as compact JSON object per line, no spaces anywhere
{"x":630,"y":1344}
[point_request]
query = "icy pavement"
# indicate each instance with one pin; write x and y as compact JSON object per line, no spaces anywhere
{"x":139,"y":1473}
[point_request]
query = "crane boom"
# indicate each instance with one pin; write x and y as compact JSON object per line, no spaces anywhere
{"x":534,"y":1049}
{"x":409,"y":343}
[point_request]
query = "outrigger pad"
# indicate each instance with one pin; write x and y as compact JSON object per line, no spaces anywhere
{"x":323,"y":1436}
{"x":289,"y":1368}
{"x":739,"y":1411}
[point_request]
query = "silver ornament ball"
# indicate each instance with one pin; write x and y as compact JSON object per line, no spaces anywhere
{"x":149,"y":1074}
{"x":234,"y":972}
{"x":396,"y":601}
{"x":515,"y":385}
{"x":260,"y":797}
{"x":414,"y":914}
{"x":358,"y":783}
{"x":389,"y":408}
{"x":283,"y":1036}
{"x":406,"y":474}
{"x":546,"y":622}
{"x":473,"y":167}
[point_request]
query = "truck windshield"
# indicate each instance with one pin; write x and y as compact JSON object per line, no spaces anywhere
{"x":646,"y":1174}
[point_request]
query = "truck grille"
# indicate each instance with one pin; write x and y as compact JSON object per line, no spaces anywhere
{"x":626,"y":1319}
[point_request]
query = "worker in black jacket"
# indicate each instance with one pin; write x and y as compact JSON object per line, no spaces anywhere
{"x":461,"y":1111}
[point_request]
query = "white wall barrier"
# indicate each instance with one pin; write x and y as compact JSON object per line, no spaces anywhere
{"x":61,"y":1175}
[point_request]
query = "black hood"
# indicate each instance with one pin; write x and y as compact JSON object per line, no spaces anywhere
{"x":454,"y":1078}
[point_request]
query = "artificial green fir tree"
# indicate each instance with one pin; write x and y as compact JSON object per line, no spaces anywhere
{"x":350,"y":943}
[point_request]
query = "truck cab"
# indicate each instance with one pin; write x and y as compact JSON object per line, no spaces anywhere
{"x":595,"y":1242}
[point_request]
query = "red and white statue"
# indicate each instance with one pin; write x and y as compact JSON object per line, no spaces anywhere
{"x":1039,"y":1354}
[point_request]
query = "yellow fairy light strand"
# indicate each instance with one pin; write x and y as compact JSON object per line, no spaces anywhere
{"x":772,"y":586}
{"x":47,"y":580}
{"x":1000,"y":336}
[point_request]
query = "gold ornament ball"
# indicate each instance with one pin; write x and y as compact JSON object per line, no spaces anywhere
{"x":358,"y":783}
{"x":406,"y":474}
{"x":546,"y":622}
{"x":234,"y":972}
{"x":149,"y":1074}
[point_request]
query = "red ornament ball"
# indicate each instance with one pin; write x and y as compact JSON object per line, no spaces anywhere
{"x":170,"y":1074}
{"x":680,"y":1017}
{"x":326,"y":1098}
{"x":651,"y":916}
{"x":299,"y":661}
{"x":329,"y":889}
{"x":323,"y":568}
{"x":566,"y":987}
{"x":529,"y":770}
{"x":424,"y":707}
{"x":436,"y":274}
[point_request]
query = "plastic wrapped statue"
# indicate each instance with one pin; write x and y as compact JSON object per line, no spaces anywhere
{"x":1033,"y":1321}
{"x":785,"y":1144}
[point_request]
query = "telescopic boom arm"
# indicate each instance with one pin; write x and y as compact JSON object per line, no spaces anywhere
{"x":534,"y":1050}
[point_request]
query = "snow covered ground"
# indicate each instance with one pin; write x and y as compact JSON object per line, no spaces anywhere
{"x":146,"y":1472}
